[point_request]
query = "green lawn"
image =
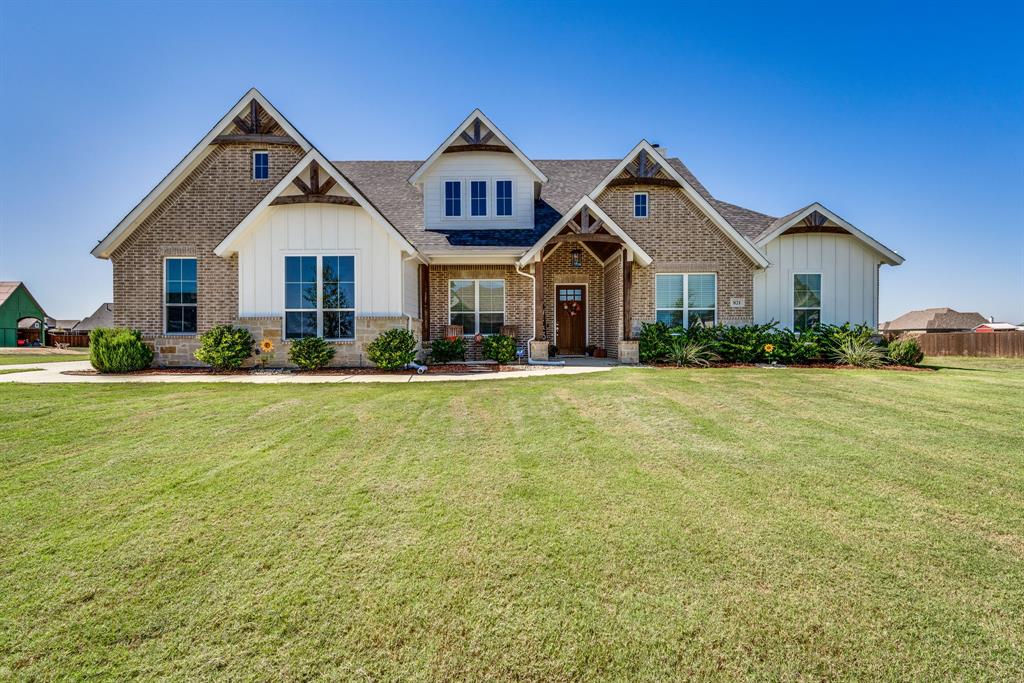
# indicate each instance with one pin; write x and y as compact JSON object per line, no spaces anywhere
{"x":632,"y":525}
{"x":39,"y":356}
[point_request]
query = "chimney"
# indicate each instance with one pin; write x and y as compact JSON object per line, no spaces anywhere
{"x":661,"y":150}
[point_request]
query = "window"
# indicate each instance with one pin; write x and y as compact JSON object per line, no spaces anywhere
{"x":319,"y":297}
{"x":806,"y":300}
{"x":452,"y":198}
{"x":503,"y":197}
{"x":260,"y":165}
{"x":478,"y":198}
{"x":477,"y":305}
{"x":180,"y":294}
{"x":640,"y":205}
{"x":686,"y":299}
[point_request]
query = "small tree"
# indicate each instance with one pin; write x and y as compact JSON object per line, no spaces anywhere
{"x":392,"y":349}
{"x":225,"y":347}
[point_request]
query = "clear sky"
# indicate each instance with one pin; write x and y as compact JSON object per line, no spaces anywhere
{"x":907,"y":121}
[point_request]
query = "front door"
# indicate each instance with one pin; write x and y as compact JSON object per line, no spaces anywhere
{"x":571,"y":319}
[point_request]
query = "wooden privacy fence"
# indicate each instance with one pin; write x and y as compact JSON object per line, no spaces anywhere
{"x":1009,"y":344}
{"x":54,"y":338}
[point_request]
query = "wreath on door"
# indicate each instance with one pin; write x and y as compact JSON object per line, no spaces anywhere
{"x":573,"y":307}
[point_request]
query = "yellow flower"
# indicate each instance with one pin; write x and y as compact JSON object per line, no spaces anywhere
{"x":266,"y":346}
{"x":768,"y":348}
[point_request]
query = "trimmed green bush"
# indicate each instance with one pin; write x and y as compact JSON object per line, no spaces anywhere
{"x":225,"y":347}
{"x":654,"y":341}
{"x":448,"y":350}
{"x":500,"y":348}
{"x":905,"y":352}
{"x":310,"y":353}
{"x":117,"y":349}
{"x":392,"y":349}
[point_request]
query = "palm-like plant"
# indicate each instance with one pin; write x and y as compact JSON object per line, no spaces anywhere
{"x":861,"y":353}
{"x":685,"y":352}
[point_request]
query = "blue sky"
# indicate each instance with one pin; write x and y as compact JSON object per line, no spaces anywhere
{"x":907,"y":121}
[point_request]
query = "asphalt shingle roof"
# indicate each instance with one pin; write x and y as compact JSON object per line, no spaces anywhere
{"x":386,"y":185}
{"x":934,"y":319}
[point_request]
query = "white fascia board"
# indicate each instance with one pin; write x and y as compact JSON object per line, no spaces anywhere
{"x":890,"y":256}
{"x":477,"y":114}
{"x":488,"y":257}
{"x":588,"y":202}
{"x":123,"y":229}
{"x":229,"y":244}
{"x":711,"y":212}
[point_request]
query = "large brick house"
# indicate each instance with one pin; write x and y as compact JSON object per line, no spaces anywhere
{"x":256,"y":227}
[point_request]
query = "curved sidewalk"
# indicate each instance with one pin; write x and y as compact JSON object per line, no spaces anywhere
{"x":50,"y":373}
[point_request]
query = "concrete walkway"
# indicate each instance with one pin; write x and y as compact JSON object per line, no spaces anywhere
{"x":50,"y":373}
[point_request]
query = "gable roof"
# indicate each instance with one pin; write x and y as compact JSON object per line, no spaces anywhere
{"x":780,"y":226}
{"x":9,"y":287}
{"x":702,"y":202}
{"x":476,"y":115}
{"x":934,"y":320}
{"x":122,"y":230}
{"x":607,"y":222}
{"x":101,"y":317}
{"x":228,"y":244}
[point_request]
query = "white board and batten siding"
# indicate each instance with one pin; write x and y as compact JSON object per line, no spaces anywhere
{"x":849,"y":278}
{"x":467,"y":166}
{"x":327,"y":229}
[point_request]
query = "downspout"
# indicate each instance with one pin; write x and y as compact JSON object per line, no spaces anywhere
{"x":529,"y":360}
{"x":420,"y":369}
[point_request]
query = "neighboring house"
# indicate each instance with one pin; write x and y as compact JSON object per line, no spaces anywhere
{"x":998,"y":327}
{"x":257,"y":227}
{"x":63,"y":325}
{"x":101,"y":317}
{"x":19,"y":311}
{"x":933,"y":320}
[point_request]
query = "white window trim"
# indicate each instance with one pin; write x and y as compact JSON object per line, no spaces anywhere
{"x":319,"y":310}
{"x":686,"y":297}
{"x":512,"y":199}
{"x":254,"y":153}
{"x":462,"y":199}
{"x":793,"y":308}
{"x":647,"y":208}
{"x":586,"y":312}
{"x":476,"y":301}
{"x":165,"y":304}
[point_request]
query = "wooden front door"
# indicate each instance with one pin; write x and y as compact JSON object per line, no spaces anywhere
{"x":571,"y":318}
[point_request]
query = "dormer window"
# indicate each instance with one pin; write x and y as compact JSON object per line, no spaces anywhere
{"x":640,"y":205}
{"x":260,"y":165}
{"x":478,"y":198}
{"x":452,"y":198}
{"x":503,"y":197}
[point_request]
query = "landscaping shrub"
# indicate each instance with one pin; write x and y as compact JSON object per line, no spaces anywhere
{"x":310,"y":353}
{"x":118,"y":350}
{"x":862,"y":353}
{"x":745,"y":344}
{"x":905,"y":352}
{"x":448,"y":350}
{"x":392,"y":349}
{"x":685,"y":352}
{"x":654,"y":341}
{"x":500,"y":348}
{"x":225,"y":347}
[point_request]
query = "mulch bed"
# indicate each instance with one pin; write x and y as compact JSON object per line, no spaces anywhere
{"x":807,"y":366}
{"x":446,"y":369}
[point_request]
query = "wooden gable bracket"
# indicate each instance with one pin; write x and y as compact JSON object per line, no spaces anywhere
{"x":314,"y":192}
{"x":477,"y":142}
{"x":646,"y":174}
{"x":253,"y":131}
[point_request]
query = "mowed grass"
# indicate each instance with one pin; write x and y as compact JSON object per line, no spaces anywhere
{"x":15,"y":357}
{"x":643,"y":525}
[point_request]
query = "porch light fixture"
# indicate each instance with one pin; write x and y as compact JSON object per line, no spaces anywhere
{"x":576,"y":257}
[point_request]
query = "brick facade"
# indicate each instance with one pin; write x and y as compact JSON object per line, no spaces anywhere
{"x":518,"y":299}
{"x":613,"y":305}
{"x":680,"y":239}
{"x":192,"y":221}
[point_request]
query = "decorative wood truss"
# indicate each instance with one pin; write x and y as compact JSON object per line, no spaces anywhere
{"x":643,"y":171}
{"x":258,"y":128}
{"x":476,"y":142}
{"x":816,"y":221}
{"x":314,"y":192}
